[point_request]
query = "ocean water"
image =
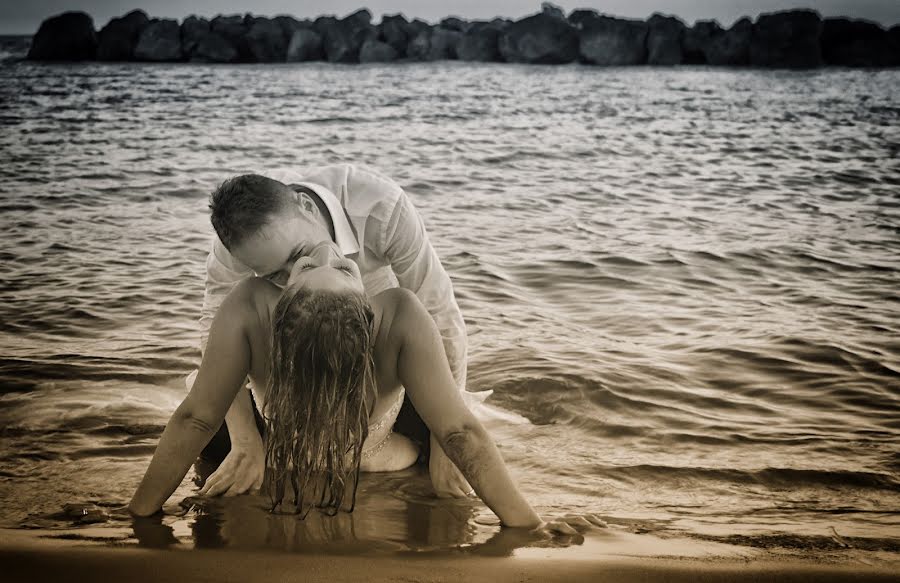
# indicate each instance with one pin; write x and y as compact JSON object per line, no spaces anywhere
{"x":686,"y":279}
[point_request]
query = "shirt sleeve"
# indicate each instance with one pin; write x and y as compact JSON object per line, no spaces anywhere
{"x":223,"y":272}
{"x":418,"y":269}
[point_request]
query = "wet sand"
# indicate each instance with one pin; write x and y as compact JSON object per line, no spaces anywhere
{"x":30,"y":556}
{"x":135,"y":565}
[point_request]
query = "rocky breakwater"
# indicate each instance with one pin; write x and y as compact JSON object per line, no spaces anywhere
{"x":790,"y":39}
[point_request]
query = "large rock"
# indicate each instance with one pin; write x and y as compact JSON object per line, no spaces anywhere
{"x":854,"y":43}
{"x":305,"y":45}
{"x":343,"y":38}
{"x":437,"y":44}
{"x":664,"y":40}
{"x":613,"y":42}
{"x":233,"y":28}
{"x":192,"y":28}
{"x":454,"y":23}
{"x":323,"y":23}
{"x":396,"y":31}
{"x":788,"y":39}
{"x":578,"y":18}
{"x":417,"y":26}
{"x":160,"y":41}
{"x":542,"y":38}
{"x":480,"y":43}
{"x":289,"y":25}
{"x":500,"y":24}
{"x":731,"y":48}
{"x":707,"y":43}
{"x":267,"y":41}
{"x":376,"y":51}
{"x":893,"y":42}
{"x":696,"y":40}
{"x":201,"y":45}
{"x":552,"y":10}
{"x":117,"y":40}
{"x":69,"y":36}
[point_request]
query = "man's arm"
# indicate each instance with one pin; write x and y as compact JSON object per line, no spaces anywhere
{"x":418,"y":269}
{"x":223,"y":272}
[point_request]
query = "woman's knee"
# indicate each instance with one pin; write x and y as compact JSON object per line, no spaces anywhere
{"x":398,"y":454}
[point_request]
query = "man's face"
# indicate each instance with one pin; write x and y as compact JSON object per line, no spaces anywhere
{"x":272,"y":251}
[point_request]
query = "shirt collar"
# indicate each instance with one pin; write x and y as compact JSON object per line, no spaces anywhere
{"x":344,"y":233}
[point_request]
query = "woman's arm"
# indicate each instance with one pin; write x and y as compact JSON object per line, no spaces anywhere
{"x":422,"y":368}
{"x":222,"y":373}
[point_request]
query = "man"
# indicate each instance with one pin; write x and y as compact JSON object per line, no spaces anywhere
{"x":374,"y":223}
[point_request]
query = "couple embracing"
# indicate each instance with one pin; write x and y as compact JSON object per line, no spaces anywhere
{"x":324,"y":290}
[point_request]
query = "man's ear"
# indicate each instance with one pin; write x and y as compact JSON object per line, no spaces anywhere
{"x":307,"y":204}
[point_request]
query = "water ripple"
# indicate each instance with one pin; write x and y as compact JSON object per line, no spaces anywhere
{"x":686,"y":279}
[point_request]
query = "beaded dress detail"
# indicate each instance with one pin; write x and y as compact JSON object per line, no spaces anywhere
{"x":380,"y":432}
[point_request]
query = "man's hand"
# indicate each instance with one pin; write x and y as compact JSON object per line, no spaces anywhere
{"x":447,"y":480}
{"x":240,"y":472}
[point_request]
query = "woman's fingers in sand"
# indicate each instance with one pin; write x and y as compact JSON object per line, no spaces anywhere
{"x":572,"y":525}
{"x":227,"y":485}
{"x":238,"y":473}
{"x":215,"y":484}
{"x":585,"y":521}
{"x":559,"y":527}
{"x":596,"y":520}
{"x":579,"y":523}
{"x":243,"y":487}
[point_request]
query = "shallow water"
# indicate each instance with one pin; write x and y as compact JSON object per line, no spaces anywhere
{"x":686,"y":279}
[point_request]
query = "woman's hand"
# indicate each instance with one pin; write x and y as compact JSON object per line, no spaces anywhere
{"x":569,"y":525}
{"x":446,"y":479}
{"x":240,"y":472}
{"x":558,"y":533}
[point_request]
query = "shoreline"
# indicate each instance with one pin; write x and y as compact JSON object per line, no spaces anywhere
{"x":30,"y":557}
{"x":101,"y":553}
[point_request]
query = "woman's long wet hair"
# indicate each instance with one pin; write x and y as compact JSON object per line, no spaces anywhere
{"x":320,"y":375}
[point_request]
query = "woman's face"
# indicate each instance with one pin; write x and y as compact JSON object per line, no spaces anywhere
{"x":325,"y":268}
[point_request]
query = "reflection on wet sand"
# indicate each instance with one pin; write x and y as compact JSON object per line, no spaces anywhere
{"x":394,"y":513}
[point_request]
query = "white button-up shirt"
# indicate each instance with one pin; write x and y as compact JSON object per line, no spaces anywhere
{"x":384,"y":236}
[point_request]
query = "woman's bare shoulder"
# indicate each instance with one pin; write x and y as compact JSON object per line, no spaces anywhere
{"x":402,"y":311}
{"x":395,"y":302}
{"x":253,"y":294}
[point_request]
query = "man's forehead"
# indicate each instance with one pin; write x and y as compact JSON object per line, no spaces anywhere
{"x":285,"y":230}
{"x":266,"y":250}
{"x":278,"y":240}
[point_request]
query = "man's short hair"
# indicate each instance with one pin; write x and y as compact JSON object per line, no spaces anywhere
{"x":242,"y":205}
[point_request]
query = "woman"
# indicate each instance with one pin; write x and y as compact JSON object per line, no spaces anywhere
{"x":334,"y":367}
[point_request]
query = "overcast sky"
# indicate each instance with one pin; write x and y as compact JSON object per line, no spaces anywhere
{"x":24,"y":16}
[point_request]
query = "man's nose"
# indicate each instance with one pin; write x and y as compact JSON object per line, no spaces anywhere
{"x":325,"y":253}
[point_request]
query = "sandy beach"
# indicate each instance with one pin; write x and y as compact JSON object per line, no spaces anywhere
{"x":86,"y":554}
{"x":31,"y":557}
